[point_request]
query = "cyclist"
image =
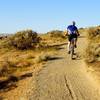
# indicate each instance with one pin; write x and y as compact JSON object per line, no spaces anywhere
{"x":72,"y":32}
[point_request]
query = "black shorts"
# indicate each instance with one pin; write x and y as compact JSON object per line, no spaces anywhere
{"x":71,"y":36}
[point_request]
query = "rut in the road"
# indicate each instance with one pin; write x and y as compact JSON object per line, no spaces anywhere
{"x":69,"y":87}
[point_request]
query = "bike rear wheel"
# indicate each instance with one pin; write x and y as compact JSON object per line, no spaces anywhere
{"x":72,"y":51}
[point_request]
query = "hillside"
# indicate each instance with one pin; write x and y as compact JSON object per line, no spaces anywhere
{"x":21,"y":56}
{"x":37,"y":67}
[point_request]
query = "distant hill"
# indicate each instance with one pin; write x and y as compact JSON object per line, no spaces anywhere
{"x":5,"y":34}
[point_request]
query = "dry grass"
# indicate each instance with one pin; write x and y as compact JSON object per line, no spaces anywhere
{"x":44,"y":57}
{"x":94,"y":33}
{"x":13,"y":59}
{"x":53,"y":37}
{"x":17,"y":61}
{"x":93,"y":49}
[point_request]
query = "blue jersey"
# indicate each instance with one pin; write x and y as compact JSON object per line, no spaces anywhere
{"x":71,"y":29}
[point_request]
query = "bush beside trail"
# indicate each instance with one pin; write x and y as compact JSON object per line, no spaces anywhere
{"x":93,"y":49}
{"x":56,"y":34}
{"x":20,"y":49}
{"x":27,"y":38}
{"x":93,"y":33}
{"x":24,"y":39}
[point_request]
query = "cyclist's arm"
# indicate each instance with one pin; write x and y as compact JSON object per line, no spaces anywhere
{"x":77,"y":32}
{"x":65,"y":32}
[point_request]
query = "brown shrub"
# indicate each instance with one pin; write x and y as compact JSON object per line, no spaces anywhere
{"x":24,"y":39}
{"x":43,"y":57}
{"x":5,"y":68}
{"x":93,"y":49}
{"x":93,"y":33}
{"x":56,"y":34}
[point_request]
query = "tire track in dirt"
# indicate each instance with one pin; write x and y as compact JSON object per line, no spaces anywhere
{"x":69,"y":87}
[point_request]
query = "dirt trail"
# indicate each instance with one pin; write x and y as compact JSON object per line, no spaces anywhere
{"x":64,"y":79}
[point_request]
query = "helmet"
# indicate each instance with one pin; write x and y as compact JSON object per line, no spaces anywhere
{"x":73,"y":22}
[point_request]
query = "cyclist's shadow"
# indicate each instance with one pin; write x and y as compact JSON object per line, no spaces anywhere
{"x":77,"y":56}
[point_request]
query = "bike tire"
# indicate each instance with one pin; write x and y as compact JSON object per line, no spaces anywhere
{"x":72,"y":52}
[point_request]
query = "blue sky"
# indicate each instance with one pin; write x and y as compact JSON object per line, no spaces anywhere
{"x":47,"y":15}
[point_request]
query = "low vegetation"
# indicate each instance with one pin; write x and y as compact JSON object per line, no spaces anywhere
{"x":24,"y":39}
{"x":93,"y":52}
{"x":24,"y":51}
{"x":53,"y":37}
{"x":93,"y":49}
{"x":20,"y":49}
{"x":56,"y":34}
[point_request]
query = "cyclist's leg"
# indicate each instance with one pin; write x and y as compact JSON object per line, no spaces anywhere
{"x":72,"y":47}
{"x":75,"y":41}
{"x":69,"y":43}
